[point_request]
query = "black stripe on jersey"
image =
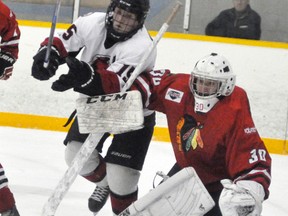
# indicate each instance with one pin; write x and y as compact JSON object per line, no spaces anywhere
{"x":5,"y":180}
{"x":125,"y":74}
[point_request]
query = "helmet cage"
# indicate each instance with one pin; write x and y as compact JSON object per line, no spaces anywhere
{"x":224,"y":86}
{"x":138,"y":7}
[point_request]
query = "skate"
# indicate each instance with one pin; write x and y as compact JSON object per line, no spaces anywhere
{"x":98,"y":199}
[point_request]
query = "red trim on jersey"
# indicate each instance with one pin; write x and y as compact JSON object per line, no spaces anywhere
{"x":57,"y":43}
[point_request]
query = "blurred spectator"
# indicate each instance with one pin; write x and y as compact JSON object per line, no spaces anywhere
{"x":238,"y":22}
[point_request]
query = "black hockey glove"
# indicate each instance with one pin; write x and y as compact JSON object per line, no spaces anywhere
{"x":81,"y":77}
{"x":38,"y":70}
{"x":6,"y":65}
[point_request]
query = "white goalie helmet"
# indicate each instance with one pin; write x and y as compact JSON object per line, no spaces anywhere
{"x":211,"y":78}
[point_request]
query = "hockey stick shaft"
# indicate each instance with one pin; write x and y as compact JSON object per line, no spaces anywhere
{"x":138,"y":70}
{"x":92,"y":140}
{"x":52,"y":31}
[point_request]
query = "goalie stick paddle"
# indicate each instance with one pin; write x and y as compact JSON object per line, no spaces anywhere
{"x":52,"y":31}
{"x":92,"y":140}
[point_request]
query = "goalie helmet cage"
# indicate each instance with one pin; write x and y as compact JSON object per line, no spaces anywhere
{"x":50,"y":207}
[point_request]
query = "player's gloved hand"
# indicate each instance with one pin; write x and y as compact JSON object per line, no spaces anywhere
{"x":6,"y":65}
{"x":243,"y":198}
{"x":81,"y":77}
{"x":38,"y":70}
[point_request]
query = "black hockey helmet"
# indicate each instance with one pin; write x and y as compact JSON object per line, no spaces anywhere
{"x":138,"y":7}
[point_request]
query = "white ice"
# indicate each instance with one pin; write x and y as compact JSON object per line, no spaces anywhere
{"x":34,"y":163}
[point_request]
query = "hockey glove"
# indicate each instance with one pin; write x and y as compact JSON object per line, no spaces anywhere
{"x":81,"y":77}
{"x":6,"y":65}
{"x":38,"y":70}
{"x":244,"y":198}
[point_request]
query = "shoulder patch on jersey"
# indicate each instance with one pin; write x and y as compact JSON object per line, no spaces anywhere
{"x":174,"y":95}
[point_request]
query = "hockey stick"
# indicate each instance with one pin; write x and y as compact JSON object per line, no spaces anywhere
{"x":52,"y":31}
{"x":160,"y":34}
{"x":92,"y":140}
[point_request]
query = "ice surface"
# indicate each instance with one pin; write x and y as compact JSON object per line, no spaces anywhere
{"x":34,"y":163}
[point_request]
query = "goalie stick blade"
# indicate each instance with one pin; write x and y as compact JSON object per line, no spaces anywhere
{"x":114,"y":113}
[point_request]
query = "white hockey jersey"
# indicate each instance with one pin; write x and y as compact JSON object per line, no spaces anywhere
{"x":89,"y":32}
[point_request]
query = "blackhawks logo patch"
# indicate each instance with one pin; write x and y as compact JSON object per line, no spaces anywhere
{"x":188,"y":134}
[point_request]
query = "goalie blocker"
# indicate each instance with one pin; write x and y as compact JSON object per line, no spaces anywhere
{"x":114,"y":113}
{"x":183,"y":194}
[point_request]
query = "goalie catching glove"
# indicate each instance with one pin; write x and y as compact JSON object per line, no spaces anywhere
{"x":81,"y":77}
{"x":6,"y":65}
{"x":243,"y":198}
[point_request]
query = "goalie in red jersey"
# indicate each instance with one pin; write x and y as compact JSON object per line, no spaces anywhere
{"x":211,"y":129}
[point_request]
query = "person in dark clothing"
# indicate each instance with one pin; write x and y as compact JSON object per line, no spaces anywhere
{"x":238,"y":22}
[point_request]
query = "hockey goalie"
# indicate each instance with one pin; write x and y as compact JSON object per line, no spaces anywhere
{"x":211,"y":129}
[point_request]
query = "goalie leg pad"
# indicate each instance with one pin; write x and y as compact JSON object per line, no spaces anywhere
{"x":182,"y":194}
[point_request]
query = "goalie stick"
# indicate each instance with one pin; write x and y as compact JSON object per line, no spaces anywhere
{"x":52,"y":31}
{"x":92,"y":140}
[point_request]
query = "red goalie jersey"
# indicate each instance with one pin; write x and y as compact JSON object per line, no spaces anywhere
{"x":222,"y":143}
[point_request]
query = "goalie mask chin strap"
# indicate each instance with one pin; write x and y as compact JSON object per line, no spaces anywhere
{"x":71,"y":117}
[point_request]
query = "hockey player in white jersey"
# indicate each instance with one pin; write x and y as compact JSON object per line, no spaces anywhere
{"x":113,"y":41}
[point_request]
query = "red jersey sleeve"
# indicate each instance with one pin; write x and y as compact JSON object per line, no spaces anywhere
{"x":247,"y":157}
{"x":9,"y":30}
{"x":147,"y":84}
